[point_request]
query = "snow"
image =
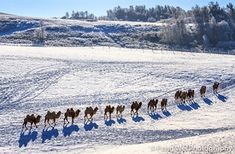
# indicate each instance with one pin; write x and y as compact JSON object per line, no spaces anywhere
{"x":61,"y":32}
{"x":38,"y":79}
{"x":84,"y":22}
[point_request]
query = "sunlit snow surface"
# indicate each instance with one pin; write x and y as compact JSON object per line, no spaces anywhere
{"x":38,"y":79}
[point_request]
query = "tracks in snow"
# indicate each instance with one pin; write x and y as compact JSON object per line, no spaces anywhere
{"x":17,"y":90}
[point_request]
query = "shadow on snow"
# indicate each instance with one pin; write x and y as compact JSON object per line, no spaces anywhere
{"x":166,"y":113}
{"x":26,"y":138}
{"x":195,"y":105}
{"x":184,"y":107}
{"x":207,"y":101}
{"x":91,"y":125}
{"x":109,"y":122}
{"x":121,"y":120}
{"x":137,"y":118}
{"x":155,"y":116}
{"x":222,"y":97}
{"x":68,"y":130}
{"x":48,"y":134}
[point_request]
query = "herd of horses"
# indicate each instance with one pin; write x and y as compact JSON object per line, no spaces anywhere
{"x":181,"y":97}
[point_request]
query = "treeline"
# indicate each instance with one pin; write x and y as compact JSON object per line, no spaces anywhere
{"x":211,"y":26}
{"x":207,"y":26}
{"x":80,"y":15}
{"x":133,"y":13}
{"x":215,"y":25}
{"x":141,"y":13}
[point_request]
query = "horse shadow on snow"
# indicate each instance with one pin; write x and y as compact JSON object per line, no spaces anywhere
{"x":26,"y":138}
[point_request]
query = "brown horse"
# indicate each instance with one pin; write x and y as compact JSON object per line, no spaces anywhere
{"x":32,"y":119}
{"x":215,"y":87}
{"x":71,"y":113}
{"x":135,"y":106}
{"x":89,"y":113}
{"x":152,"y":105}
{"x":164,"y":104}
{"x":119,"y":110}
{"x":51,"y":116}
{"x":108,"y":111}
{"x":203,"y":91}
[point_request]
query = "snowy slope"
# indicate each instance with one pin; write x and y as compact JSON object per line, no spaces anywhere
{"x":35,"y":80}
{"x":216,"y":121}
{"x":62,"y":32}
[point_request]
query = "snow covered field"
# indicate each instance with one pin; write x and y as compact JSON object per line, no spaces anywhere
{"x":35,"y":80}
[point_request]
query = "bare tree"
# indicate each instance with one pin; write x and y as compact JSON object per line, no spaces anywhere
{"x":39,"y":35}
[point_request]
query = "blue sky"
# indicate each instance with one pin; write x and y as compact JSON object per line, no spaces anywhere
{"x":57,"y":8}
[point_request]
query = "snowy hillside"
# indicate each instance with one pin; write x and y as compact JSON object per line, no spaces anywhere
{"x":35,"y":80}
{"x":61,"y":32}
